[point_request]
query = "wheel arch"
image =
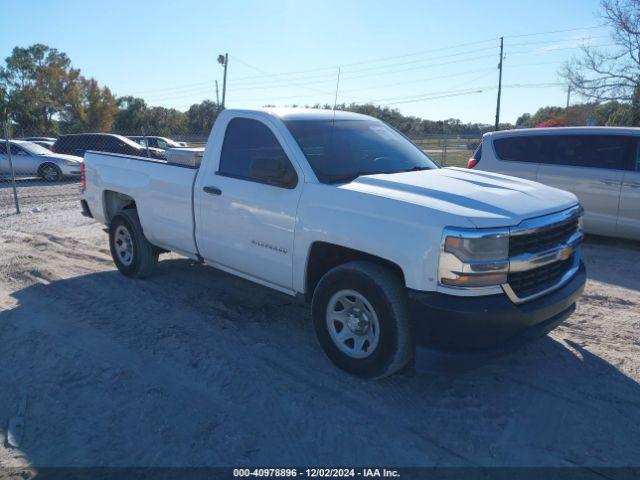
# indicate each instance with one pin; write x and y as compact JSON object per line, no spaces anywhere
{"x":113,"y":202}
{"x":324,"y":256}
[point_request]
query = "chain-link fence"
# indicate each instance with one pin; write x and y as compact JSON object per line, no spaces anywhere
{"x":40,"y":171}
{"x":449,"y":150}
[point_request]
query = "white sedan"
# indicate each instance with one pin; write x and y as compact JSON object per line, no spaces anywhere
{"x":30,"y":159}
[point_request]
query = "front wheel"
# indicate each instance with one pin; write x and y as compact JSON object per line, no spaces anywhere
{"x":131,"y":251}
{"x":361,"y":321}
{"x":50,"y":172}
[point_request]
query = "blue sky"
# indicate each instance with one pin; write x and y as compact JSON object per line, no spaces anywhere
{"x":433,"y":59}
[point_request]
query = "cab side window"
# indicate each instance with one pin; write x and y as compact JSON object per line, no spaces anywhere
{"x":251,"y":151}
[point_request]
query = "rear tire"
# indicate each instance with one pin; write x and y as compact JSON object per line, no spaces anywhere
{"x":132,"y":253}
{"x":361,"y":319}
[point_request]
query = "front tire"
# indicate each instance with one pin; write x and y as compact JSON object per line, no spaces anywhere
{"x":361,"y":320}
{"x":131,"y":251}
{"x":50,"y":172}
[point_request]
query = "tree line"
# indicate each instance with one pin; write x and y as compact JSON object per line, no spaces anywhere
{"x":41,"y":92}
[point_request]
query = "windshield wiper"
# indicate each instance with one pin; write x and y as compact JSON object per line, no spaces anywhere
{"x":353,"y":176}
{"x":412,"y":169}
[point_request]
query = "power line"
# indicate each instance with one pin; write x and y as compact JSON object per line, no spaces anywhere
{"x":390,"y":69}
{"x":554,"y":31}
{"x":556,"y":41}
{"x":372,"y":74}
{"x":326,"y":78}
{"x":242,"y":81}
{"x":544,"y":52}
{"x":274,"y":75}
{"x":377,"y":60}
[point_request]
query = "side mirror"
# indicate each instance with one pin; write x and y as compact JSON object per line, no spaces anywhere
{"x":274,"y":171}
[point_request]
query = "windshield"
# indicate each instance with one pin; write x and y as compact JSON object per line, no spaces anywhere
{"x":34,"y":148}
{"x":342,"y":150}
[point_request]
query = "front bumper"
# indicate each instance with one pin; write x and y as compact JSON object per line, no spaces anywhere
{"x":70,"y":170}
{"x":448,"y":322}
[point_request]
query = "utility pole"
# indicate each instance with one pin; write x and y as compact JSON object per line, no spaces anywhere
{"x":224,"y":61}
{"x":217,"y":95}
{"x":568,"y":95}
{"x":499,"y":83}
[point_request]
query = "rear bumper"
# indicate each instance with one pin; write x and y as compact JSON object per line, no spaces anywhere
{"x":85,"y":209}
{"x":448,"y":322}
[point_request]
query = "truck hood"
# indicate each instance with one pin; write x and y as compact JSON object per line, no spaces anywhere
{"x":484,"y":198}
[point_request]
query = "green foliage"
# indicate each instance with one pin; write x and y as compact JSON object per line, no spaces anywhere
{"x":609,"y":114}
{"x":134,"y":115}
{"x":416,"y":127}
{"x":42,"y":92}
{"x":201,"y":116}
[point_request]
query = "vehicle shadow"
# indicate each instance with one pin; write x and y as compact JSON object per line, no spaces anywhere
{"x":194,"y":367}
{"x":612,"y":260}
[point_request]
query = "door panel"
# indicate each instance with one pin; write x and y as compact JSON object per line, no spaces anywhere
{"x":591,"y":166}
{"x":526,"y":170}
{"x":249,"y":227}
{"x":245,"y":224}
{"x":4,"y":164}
{"x":23,"y":162}
{"x":599,"y":193}
{"x":629,"y":213}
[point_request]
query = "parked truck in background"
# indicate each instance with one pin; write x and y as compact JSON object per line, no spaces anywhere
{"x":391,"y":251}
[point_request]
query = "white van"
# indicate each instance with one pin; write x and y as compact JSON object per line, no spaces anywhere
{"x":600,"y":165}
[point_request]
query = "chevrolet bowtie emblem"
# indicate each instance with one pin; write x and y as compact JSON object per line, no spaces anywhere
{"x":566,"y":253}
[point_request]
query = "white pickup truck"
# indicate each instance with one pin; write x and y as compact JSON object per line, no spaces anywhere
{"x":391,"y":250}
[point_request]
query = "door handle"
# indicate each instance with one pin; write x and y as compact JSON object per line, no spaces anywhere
{"x":212,"y":190}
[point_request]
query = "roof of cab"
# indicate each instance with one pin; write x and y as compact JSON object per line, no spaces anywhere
{"x":309,"y":114}
{"x":565,"y":130}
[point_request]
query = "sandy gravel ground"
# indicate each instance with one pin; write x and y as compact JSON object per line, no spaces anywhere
{"x":196,"y":367}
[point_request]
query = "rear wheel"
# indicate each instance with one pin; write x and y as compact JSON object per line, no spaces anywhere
{"x":361,"y":321}
{"x":50,"y":172}
{"x":131,"y":251}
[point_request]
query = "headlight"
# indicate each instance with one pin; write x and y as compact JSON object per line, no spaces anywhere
{"x":71,"y":163}
{"x":473,"y":258}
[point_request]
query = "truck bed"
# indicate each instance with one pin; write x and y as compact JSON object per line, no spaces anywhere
{"x":163,"y":192}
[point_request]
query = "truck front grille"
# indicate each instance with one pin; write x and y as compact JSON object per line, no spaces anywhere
{"x":542,"y":251}
{"x":527,"y":283}
{"x":542,"y":239}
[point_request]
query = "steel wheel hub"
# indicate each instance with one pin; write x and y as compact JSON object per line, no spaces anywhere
{"x":123,"y":245}
{"x":353,"y":324}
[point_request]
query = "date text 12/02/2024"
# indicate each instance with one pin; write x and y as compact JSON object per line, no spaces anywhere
{"x":316,"y":472}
